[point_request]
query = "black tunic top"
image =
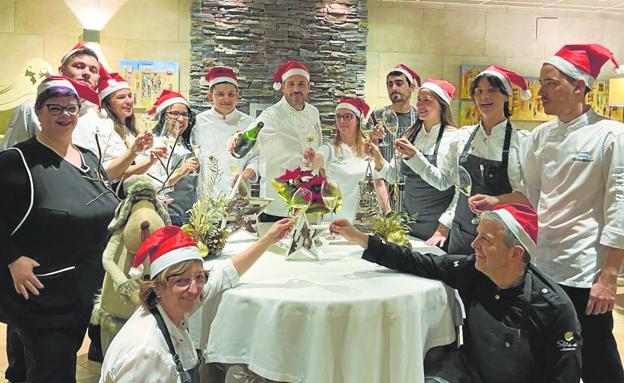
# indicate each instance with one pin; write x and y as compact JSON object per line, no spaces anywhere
{"x":551,"y":323}
{"x":56,"y":214}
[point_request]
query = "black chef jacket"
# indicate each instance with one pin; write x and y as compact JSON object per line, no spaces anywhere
{"x":552,"y":325}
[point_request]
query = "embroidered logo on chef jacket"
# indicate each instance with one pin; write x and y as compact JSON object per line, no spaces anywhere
{"x":568,"y":343}
{"x":582,"y":156}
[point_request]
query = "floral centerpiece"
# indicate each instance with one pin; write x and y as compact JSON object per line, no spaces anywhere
{"x":287,"y":184}
{"x":206,"y":215}
{"x":393,"y":227}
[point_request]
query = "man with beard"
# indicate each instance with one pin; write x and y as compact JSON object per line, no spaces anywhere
{"x":401,"y":82}
{"x":282,"y":140}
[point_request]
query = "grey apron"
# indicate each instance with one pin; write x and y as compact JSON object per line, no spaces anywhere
{"x":422,"y":199}
{"x":184,"y":193}
{"x":489,"y":177}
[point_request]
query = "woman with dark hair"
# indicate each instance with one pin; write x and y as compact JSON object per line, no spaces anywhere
{"x":426,"y":161}
{"x":154,"y":344}
{"x":55,"y":209}
{"x":343,"y":158}
{"x":126,"y":143}
{"x":491,"y":152}
{"x":177,"y":173}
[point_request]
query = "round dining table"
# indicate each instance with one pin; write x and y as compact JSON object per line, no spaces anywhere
{"x":335,"y":319}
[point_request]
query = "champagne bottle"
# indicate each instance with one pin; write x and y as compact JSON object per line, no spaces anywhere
{"x":246,"y":140}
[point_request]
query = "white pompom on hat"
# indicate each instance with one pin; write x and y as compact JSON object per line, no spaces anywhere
{"x":287,"y":69}
{"x":509,"y":77}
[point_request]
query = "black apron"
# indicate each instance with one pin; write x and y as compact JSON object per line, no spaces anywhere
{"x":496,"y":353}
{"x":423,"y":199}
{"x":184,"y":192}
{"x":186,"y":376}
{"x":488,"y":177}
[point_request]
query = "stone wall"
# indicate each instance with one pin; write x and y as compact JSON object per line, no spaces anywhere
{"x":255,"y":36}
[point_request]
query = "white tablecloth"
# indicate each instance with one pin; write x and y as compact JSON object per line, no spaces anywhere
{"x":340,"y":319}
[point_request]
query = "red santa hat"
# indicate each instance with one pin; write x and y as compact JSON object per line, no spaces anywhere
{"x":583,"y":61}
{"x":410,"y":74}
{"x":358,"y":106}
{"x":166,"y":98}
{"x":80,"y":89}
{"x":522,"y":221}
{"x":111,"y":83}
{"x":219,"y":74}
{"x":444,"y":89}
{"x":287,"y":69}
{"x":508,"y":77}
{"x":80,"y":47}
{"x":166,"y":247}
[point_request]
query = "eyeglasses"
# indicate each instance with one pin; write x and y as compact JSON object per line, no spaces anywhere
{"x":56,"y":109}
{"x":345,"y":117}
{"x":175,"y":114}
{"x":200,"y":280}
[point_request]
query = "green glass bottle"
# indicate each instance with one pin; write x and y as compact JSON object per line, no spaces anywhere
{"x":246,"y":140}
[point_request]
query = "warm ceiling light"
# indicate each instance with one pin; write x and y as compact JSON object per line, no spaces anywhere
{"x":94,"y":14}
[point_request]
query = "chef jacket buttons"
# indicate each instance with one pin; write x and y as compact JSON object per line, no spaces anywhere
{"x":544,"y":290}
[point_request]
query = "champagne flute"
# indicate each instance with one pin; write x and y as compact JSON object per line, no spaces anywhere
{"x":465,"y":182}
{"x":391,"y":122}
{"x":330,"y":198}
{"x":378,"y":119}
{"x":309,"y":139}
{"x":300,"y":201}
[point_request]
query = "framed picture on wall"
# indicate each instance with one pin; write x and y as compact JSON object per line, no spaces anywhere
{"x":468,"y":114}
{"x":468,"y":72}
{"x":598,"y":98}
{"x":148,"y":78}
{"x":531,"y":109}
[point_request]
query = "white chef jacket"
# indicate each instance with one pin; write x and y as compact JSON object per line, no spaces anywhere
{"x":281,"y":144}
{"x":441,"y":176}
{"x":139,"y":352}
{"x":345,"y":170}
{"x":23,"y":125}
{"x":575,"y":178}
{"x":211,"y":132}
{"x":490,"y":148}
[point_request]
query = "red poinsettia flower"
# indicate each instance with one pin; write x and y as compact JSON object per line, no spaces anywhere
{"x":294,"y":174}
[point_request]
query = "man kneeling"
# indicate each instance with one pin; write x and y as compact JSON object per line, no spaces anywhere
{"x":520,"y":326}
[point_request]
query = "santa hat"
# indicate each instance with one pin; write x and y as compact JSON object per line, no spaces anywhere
{"x":442,"y":88}
{"x":355,"y":104}
{"x":219,"y":74}
{"x":80,"y":89}
{"x":111,"y":83}
{"x":583,"y":61}
{"x":166,"y":98}
{"x":508,"y":77}
{"x":287,"y":69}
{"x":410,"y":74}
{"x":80,"y":47}
{"x":166,"y":247}
{"x":522,"y":221}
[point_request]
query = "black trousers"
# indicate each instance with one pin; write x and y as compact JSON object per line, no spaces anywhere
{"x":600,"y":357}
{"x":16,"y":370}
{"x":50,"y":353}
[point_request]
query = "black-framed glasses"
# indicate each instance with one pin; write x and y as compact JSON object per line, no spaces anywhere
{"x":345,"y":117}
{"x":56,"y":109}
{"x":175,"y":114}
{"x":182,"y":282}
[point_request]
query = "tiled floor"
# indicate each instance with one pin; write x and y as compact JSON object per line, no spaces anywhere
{"x":88,"y":372}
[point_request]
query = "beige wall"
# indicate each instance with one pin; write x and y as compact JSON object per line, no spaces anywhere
{"x":435,"y":40}
{"x":140,"y":29}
